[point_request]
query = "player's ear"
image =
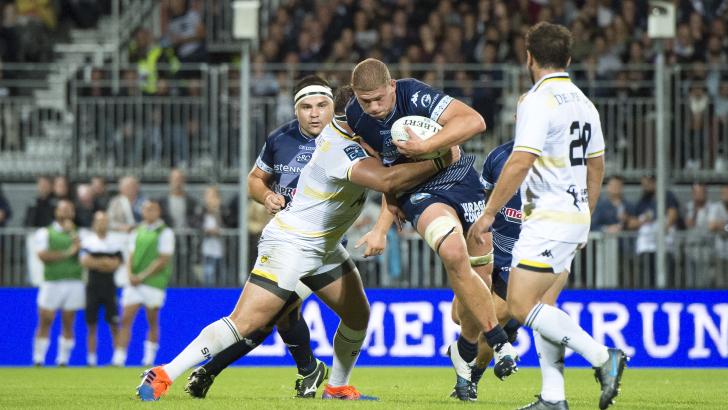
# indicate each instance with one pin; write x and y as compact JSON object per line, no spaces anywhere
{"x":568,"y":62}
{"x":529,"y":58}
{"x":393,"y":83}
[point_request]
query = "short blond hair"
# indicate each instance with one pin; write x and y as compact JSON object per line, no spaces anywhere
{"x":369,"y":75}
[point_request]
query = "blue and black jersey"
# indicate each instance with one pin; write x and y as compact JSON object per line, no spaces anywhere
{"x":284,"y":155}
{"x":507,"y":225}
{"x":413,"y":97}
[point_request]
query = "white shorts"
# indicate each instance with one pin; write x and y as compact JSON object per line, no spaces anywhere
{"x":66,"y":294}
{"x":148,"y":296}
{"x":543,"y":255}
{"x":284,"y":267}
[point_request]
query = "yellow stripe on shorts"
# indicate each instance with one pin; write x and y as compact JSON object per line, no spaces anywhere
{"x":265,"y":274}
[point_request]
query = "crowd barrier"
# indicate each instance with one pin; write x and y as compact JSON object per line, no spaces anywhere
{"x":413,"y":327}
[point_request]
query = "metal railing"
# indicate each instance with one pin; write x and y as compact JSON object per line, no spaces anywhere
{"x":609,"y":261}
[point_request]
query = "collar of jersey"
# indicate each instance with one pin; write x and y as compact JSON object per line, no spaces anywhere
{"x":303,"y":134}
{"x":341,"y":131}
{"x":563,"y":75}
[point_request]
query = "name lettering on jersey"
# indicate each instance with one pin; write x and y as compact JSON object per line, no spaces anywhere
{"x":306,"y":148}
{"x":568,"y":98}
{"x":355,"y":151}
{"x":512,"y":214}
{"x":414,"y":98}
{"x":472,"y":210}
{"x":286,"y":169}
{"x":303,"y":158}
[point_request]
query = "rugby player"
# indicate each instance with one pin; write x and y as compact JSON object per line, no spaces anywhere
{"x":558,"y":164}
{"x":102,"y":254}
{"x":330,"y":194}
{"x":442,"y":208}
{"x":272,"y":182}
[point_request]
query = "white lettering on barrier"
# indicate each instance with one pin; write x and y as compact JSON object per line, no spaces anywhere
{"x":450,"y":330}
{"x":573,"y":309}
{"x":704,"y":323}
{"x":613,"y":328}
{"x":375,"y":331}
{"x":647,"y":310}
{"x":312,"y":314}
{"x":404,"y":328}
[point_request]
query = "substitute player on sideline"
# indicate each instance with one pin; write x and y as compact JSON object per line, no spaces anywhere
{"x":102,"y":254}
{"x":62,"y":287}
{"x":272,"y":182}
{"x":329,"y":197}
{"x":558,"y":157}
{"x":149,"y":270}
{"x":441,"y":209}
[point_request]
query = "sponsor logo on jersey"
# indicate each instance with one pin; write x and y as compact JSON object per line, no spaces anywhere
{"x":472,"y":210}
{"x":286,"y":169}
{"x":303,"y":158}
{"x":306,"y":148}
{"x":512,"y":214}
{"x":414,"y":98}
{"x":419,"y":197}
{"x":354,"y":151}
{"x":426,"y":100}
{"x":264,"y":259}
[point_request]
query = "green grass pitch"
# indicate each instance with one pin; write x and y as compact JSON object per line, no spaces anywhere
{"x":398,"y":388}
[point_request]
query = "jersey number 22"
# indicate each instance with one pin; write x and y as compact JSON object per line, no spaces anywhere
{"x":581,"y":135}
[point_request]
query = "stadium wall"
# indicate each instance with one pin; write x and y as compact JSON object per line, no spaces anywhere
{"x":412,"y":327}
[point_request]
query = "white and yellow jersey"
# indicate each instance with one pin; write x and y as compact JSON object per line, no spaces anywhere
{"x":326,"y":203}
{"x":558,"y":123}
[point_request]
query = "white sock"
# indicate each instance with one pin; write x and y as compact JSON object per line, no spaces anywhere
{"x":91,"y":359}
{"x":119,"y":358}
{"x":150,"y":353}
{"x":40,"y":348}
{"x":347,"y":346}
{"x":551,"y":358}
{"x":65,"y":346}
{"x":555,"y":325}
{"x":213,"y":339}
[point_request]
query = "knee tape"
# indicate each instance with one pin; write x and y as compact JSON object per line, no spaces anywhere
{"x":483,"y":260}
{"x":438,"y":230}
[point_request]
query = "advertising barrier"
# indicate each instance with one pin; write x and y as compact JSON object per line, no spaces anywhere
{"x":412,"y":327}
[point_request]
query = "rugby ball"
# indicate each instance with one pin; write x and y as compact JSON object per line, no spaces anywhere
{"x":422,"y":126}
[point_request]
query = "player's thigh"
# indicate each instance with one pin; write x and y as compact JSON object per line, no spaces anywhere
{"x":439,"y":226}
{"x":256,"y":307}
{"x":555,"y":290}
{"x":345,"y":294}
{"x":525,"y":290}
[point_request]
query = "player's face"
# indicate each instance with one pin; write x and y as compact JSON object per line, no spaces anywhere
{"x":101,"y":221}
{"x":150,"y":212}
{"x":314,"y":113}
{"x":64,"y":211}
{"x":377,"y":103}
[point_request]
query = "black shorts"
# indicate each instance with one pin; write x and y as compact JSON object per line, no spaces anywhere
{"x":101,"y":293}
{"x":500,"y":281}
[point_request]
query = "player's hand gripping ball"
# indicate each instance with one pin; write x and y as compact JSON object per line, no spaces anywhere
{"x":423,"y":127}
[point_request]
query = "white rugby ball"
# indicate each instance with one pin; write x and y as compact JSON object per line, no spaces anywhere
{"x":422,"y":126}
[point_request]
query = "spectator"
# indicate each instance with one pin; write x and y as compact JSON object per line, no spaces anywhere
{"x":718,"y":224}
{"x":148,"y":56}
{"x":62,"y":288}
{"x":185,"y":32}
{"x":612,"y":211}
{"x":149,"y":271}
{"x":85,"y":207}
{"x":645,"y":222}
{"x":101,"y":195}
{"x":40,"y":214}
{"x":125,"y":208}
{"x":179,"y":209}
{"x":213,"y":246}
{"x":61,"y":188}
{"x":5,"y":211}
{"x":698,"y":244}
{"x":102,"y":254}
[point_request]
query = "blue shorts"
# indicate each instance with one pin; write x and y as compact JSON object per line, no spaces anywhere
{"x":500,"y":280}
{"x":466,"y":197}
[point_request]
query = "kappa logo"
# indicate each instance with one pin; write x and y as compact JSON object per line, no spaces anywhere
{"x":414,"y":98}
{"x":547,"y":254}
{"x":426,"y":100}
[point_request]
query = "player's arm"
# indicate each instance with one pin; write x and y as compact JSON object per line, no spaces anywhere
{"x":370,"y":173}
{"x":47,"y":256}
{"x":259,"y":183}
{"x":376,"y":239}
{"x":107,"y":264}
{"x":165,"y":249}
{"x":594,"y":179}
